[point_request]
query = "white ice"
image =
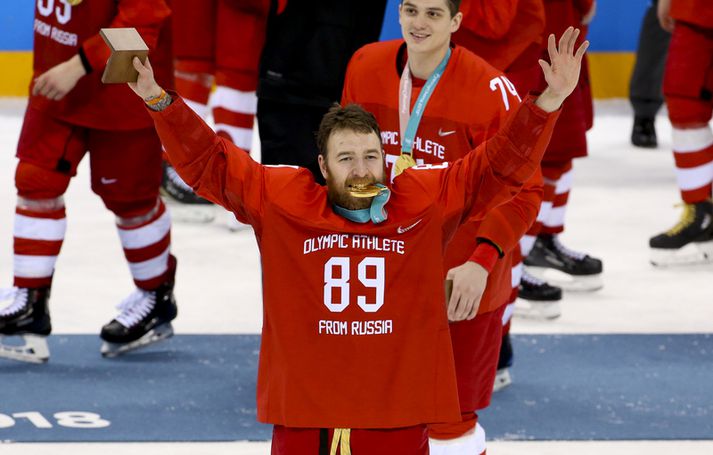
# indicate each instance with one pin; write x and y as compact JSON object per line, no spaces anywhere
{"x":622,"y":195}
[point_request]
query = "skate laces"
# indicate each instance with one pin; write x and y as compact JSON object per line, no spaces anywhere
{"x":687,"y":218}
{"x":176,"y":179}
{"x":135,"y":307}
{"x":18,"y":297}
{"x":531,"y":279}
{"x":566,"y":251}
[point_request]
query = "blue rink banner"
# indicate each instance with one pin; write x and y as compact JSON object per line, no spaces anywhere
{"x":615,"y":27}
{"x":202,"y":388}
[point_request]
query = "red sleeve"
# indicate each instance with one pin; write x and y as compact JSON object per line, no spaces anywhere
{"x":214,"y":167}
{"x":486,"y":255}
{"x":489,"y":19}
{"x":146,"y":16}
{"x":505,"y":225}
{"x":495,"y":171}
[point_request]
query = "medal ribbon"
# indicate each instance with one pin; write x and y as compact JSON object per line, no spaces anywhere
{"x":341,"y":439}
{"x":376,"y":213}
{"x":409,"y":120}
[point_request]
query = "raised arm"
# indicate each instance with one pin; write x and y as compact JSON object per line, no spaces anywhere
{"x":496,"y":170}
{"x":214,"y":167}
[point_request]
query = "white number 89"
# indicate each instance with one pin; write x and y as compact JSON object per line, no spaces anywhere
{"x":342,"y":283}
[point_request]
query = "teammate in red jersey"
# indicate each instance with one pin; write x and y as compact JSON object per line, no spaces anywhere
{"x":71,"y":112}
{"x":545,"y":255}
{"x":216,"y":42}
{"x":688,"y":89}
{"x":451,"y":127}
{"x":508,"y":35}
{"x":355,"y":333}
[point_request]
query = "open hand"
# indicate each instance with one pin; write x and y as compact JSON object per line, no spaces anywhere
{"x":562,"y":73}
{"x":145,"y":86}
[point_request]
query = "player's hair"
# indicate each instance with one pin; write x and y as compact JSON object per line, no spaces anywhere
{"x":453,"y":5}
{"x":351,"y":117}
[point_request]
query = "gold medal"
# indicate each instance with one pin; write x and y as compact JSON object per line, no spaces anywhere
{"x":403,"y":162}
{"x":364,"y":190}
{"x":73,"y":2}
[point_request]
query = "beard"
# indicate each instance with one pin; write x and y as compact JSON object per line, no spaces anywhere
{"x":339,"y":195}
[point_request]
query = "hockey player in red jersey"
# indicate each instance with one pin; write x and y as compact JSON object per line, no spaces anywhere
{"x":479,"y":257}
{"x":216,"y":42}
{"x":71,"y":112}
{"x":508,"y":35}
{"x":688,"y":89}
{"x":545,"y":255}
{"x":355,"y":339}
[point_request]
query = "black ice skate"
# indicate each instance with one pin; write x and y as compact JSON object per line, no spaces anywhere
{"x":688,"y":242}
{"x":643,"y":134}
{"x":28,"y":317}
{"x":537,"y":299}
{"x":186,"y":205}
{"x":551,"y":261}
{"x":502,"y":375}
{"x":145,"y":319}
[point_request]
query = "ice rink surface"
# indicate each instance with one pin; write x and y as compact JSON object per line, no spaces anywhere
{"x":621,"y":196}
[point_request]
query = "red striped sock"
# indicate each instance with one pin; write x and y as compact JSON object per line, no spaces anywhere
{"x":147,"y":249}
{"x":38,"y":238}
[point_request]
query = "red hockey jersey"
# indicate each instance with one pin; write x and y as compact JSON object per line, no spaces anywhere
{"x":698,"y":12}
{"x":470,"y":103}
{"x":501,"y":31}
{"x":61,"y":29}
{"x":355,"y":332}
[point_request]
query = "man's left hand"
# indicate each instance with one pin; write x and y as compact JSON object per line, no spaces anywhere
{"x":59,"y":80}
{"x":562,"y":72}
{"x":469,"y":281}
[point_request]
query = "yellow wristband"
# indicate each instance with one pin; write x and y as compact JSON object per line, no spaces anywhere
{"x":158,"y":99}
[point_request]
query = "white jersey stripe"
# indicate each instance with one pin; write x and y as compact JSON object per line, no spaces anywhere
{"x":27,"y":227}
{"x":144,"y":236}
{"x":692,"y":140}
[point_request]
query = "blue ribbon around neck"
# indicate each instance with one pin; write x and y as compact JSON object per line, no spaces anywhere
{"x":420,"y":106}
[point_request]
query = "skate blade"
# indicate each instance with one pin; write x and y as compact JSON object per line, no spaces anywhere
{"x":532,"y":309}
{"x":155,"y":335}
{"x":502,"y":380}
{"x":191,"y":213}
{"x":691,"y":254}
{"x":571,"y":283}
{"x":34,"y":349}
